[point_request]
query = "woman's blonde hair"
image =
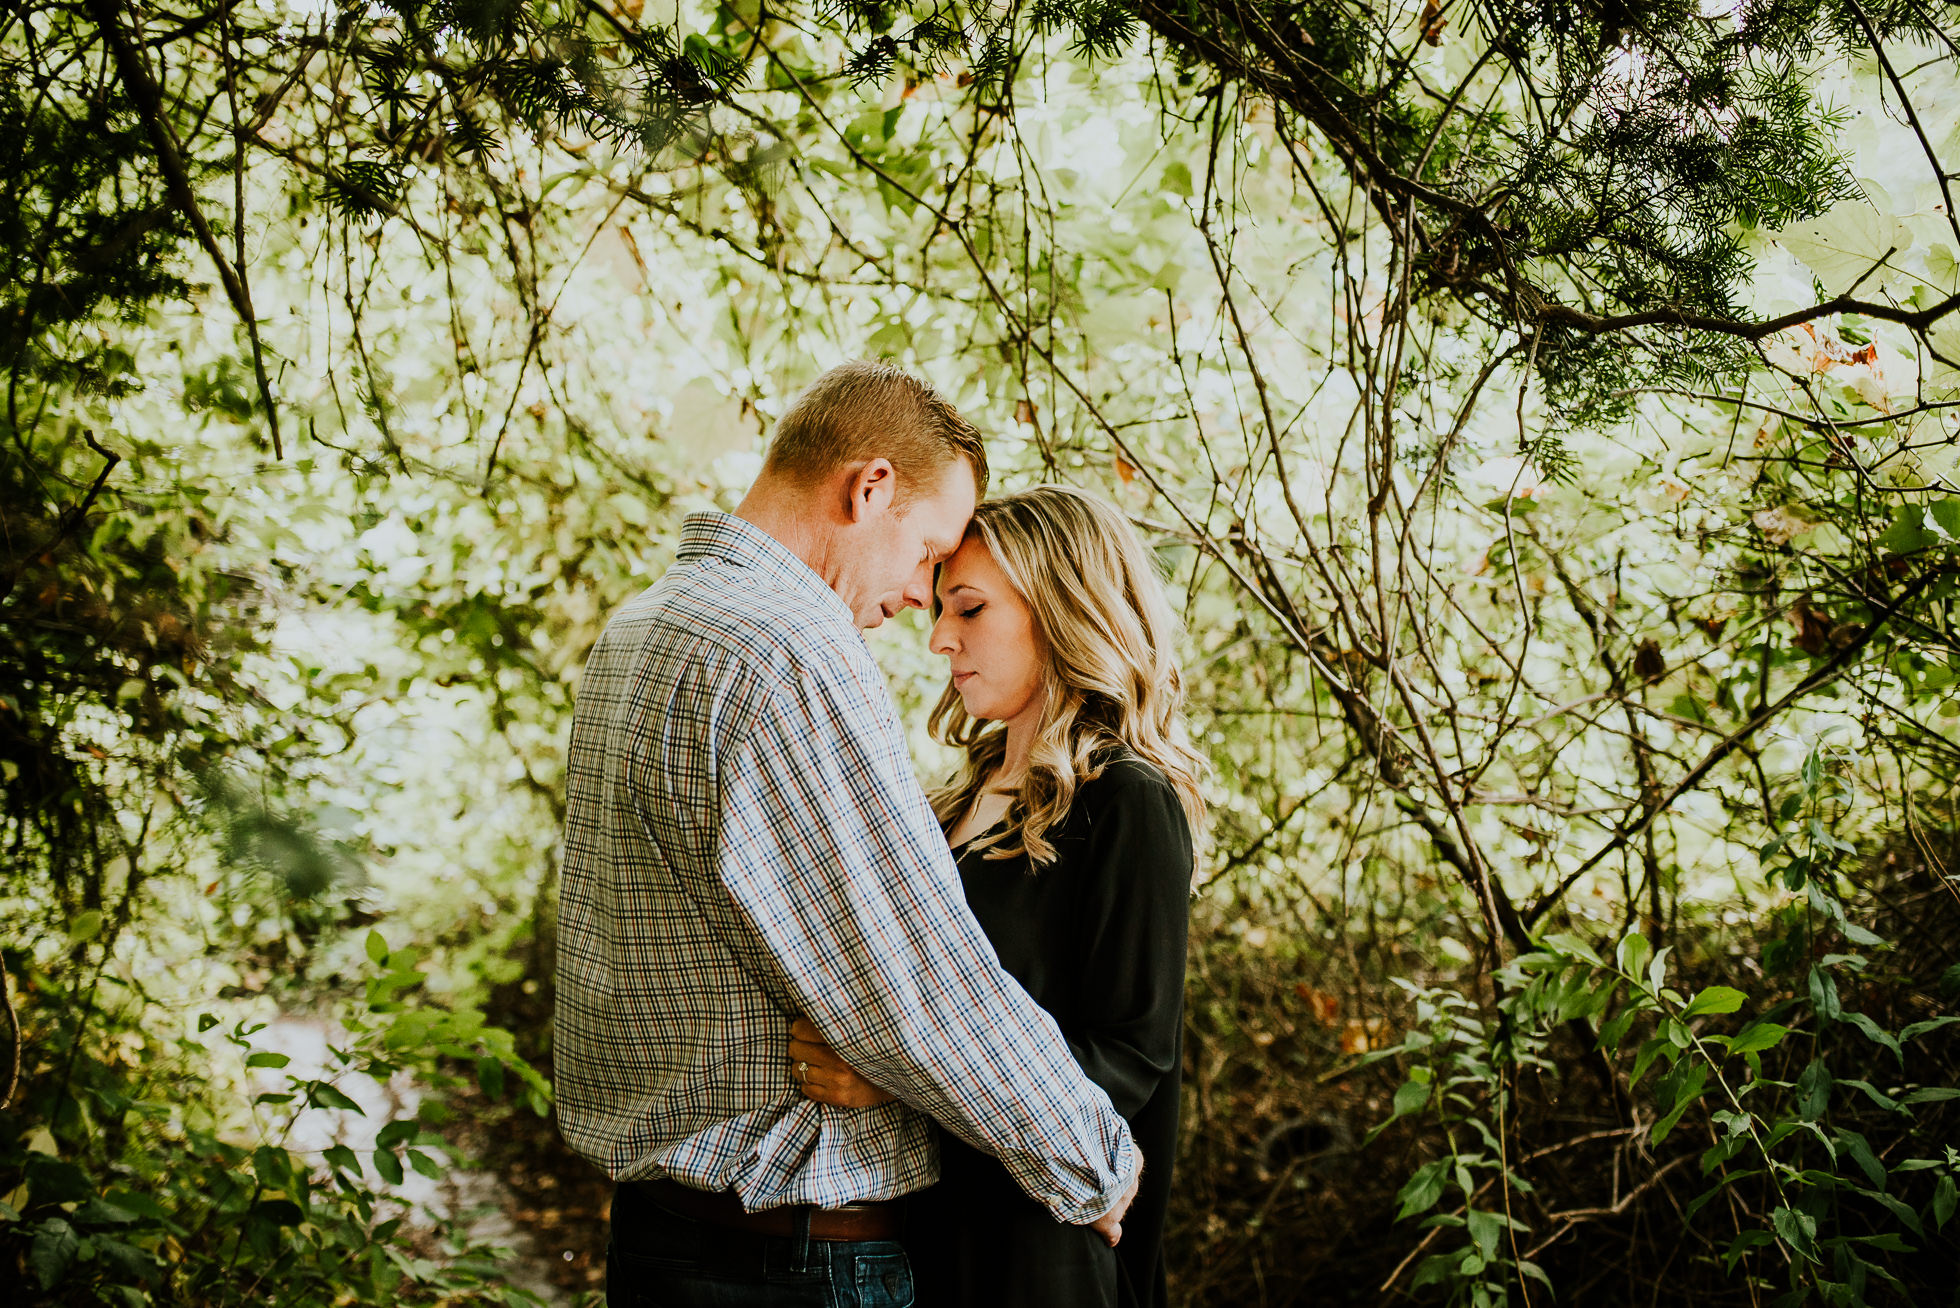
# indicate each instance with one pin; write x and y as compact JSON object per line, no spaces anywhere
{"x":1110,"y":671}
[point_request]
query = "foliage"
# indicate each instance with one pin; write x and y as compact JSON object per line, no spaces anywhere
{"x":125,"y":1188}
{"x":1545,"y":413}
{"x":1793,"y":1097}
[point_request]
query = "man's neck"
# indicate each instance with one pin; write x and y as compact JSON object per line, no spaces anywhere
{"x":790,"y":525}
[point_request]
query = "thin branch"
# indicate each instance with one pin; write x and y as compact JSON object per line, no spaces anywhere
{"x":136,"y":80}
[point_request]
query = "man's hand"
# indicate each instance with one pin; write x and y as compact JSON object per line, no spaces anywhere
{"x":821,"y":1075}
{"x":1110,"y":1225}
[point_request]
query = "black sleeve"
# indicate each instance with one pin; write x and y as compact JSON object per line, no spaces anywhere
{"x":1133,"y":904}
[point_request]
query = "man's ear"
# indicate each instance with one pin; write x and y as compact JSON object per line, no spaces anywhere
{"x":873,"y":489}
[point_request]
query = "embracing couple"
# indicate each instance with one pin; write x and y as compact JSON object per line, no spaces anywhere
{"x":843,"y":1043}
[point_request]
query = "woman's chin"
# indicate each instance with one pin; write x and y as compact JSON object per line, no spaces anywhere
{"x":975,"y":711}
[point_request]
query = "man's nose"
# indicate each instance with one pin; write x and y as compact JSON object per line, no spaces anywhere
{"x":918,"y":589}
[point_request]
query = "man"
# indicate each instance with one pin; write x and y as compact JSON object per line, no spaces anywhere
{"x":745,"y":845}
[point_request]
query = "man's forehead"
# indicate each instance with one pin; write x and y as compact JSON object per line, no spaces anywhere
{"x":958,"y":488}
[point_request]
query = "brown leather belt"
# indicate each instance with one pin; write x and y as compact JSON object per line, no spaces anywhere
{"x":862,"y":1221}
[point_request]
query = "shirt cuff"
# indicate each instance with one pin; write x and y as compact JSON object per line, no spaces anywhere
{"x":1131,"y":1166}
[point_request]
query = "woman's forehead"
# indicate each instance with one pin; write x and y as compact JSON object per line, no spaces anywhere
{"x":971,"y":567}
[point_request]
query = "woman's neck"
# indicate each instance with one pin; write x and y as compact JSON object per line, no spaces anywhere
{"x":1013,"y":766}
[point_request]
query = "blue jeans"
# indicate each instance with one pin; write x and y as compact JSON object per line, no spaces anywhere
{"x":659,"y":1259}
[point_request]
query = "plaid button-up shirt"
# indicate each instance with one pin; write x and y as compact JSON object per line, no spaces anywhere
{"x":746,"y":841}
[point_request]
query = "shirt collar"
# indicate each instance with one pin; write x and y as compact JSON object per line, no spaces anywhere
{"x":740,"y":542}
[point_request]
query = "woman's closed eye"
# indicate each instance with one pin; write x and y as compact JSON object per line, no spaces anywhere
{"x":972,"y":612}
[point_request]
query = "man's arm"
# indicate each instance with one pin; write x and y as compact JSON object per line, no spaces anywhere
{"x":833,"y":860}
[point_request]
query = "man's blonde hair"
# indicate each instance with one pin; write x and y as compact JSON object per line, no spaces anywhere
{"x":866,"y":410}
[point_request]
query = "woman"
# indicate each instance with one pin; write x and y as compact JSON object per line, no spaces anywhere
{"x":1073,"y":824}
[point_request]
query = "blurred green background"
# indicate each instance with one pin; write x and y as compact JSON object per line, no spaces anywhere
{"x":1545,"y":415}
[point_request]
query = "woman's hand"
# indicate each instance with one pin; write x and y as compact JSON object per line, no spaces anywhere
{"x":821,"y":1075}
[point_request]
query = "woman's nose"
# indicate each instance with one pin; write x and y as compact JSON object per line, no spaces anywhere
{"x":941,"y":640}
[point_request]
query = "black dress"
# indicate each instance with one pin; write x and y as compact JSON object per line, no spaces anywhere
{"x":1097,"y":937}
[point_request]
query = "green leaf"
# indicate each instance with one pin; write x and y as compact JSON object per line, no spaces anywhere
{"x":397,"y":1132}
{"x":1668,"y":1123}
{"x":1874,"y":1094}
{"x":342,"y":1159}
{"x":280,"y":1212}
{"x":273,"y":1167}
{"x":266,"y":1058}
{"x":1877,"y":1034}
{"x":1410,"y":1097}
{"x":52,"y":1181}
{"x":490,"y":1077}
{"x":388,"y":1166}
{"x":425,"y":1164}
{"x":1434,"y":1270}
{"x":1742,"y":1244}
{"x":1858,"y":935}
{"x":86,"y":926}
{"x":1715,"y":999}
{"x":1633,"y":953}
{"x":320,"y":1094}
{"x":1653,"y":1049}
{"x":1567,"y":943}
{"x":1944,"y":1196}
{"x":1755,"y":1038}
{"x":53,"y":1249}
{"x":1814,"y":1090}
{"x":1906,"y":535}
{"x":1918,"y":1029}
{"x":1890,"y":1241}
{"x":1824,"y":994}
{"x":1657,"y":970}
{"x":377,"y":949}
{"x":1932,"y":1094}
{"x":125,"y":1261}
{"x":141,"y":1204}
{"x":1703,"y":1199}
{"x":1899,"y":1209}
{"x":1614,"y":1029}
{"x":1421,"y":1191}
{"x":1689,"y":1080}
{"x":1798,"y":1230}
{"x":1860,"y":1152}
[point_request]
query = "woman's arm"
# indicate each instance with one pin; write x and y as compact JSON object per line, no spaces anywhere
{"x":823,"y":1076}
{"x":1133,"y":906}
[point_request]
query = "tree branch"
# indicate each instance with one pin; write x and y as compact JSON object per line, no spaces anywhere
{"x":1821,"y":675}
{"x":136,"y":80}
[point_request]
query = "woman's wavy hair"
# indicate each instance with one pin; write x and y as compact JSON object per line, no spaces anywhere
{"x":1109,"y":639}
